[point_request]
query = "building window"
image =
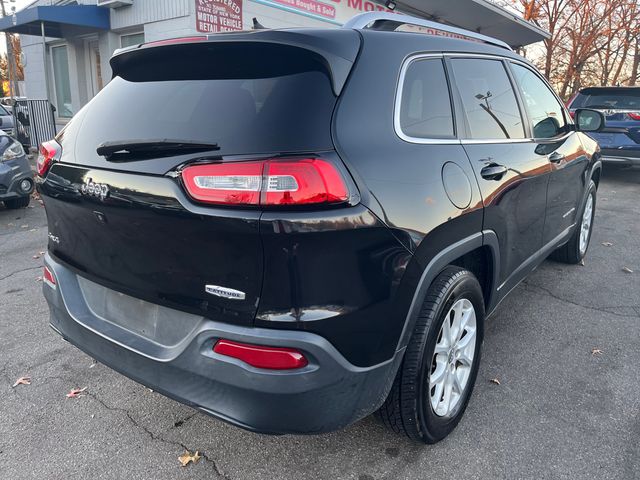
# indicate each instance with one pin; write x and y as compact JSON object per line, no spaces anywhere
{"x":60,"y":61}
{"x":131,"y":39}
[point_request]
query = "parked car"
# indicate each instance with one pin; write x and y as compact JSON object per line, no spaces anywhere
{"x":16,"y":177}
{"x":8,"y":102}
{"x":620,"y":143}
{"x":7,"y":122}
{"x":319,"y":224}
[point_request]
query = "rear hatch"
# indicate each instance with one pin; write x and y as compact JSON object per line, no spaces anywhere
{"x":621,"y":108}
{"x":118,"y":211}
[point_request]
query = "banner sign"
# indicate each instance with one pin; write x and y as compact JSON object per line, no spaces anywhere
{"x":213,"y":16}
{"x":332,"y":11}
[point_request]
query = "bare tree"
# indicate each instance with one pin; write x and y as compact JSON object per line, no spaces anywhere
{"x":590,"y":41}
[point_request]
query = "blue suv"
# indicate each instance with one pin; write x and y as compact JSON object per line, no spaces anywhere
{"x":620,"y":142}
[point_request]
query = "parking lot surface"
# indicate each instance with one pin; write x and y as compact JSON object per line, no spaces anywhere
{"x":564,"y":347}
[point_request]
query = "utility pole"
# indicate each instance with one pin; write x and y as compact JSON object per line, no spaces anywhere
{"x":14,"y":91}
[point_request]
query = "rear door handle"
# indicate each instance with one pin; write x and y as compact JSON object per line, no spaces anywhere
{"x":556,"y":157}
{"x":493,"y":171}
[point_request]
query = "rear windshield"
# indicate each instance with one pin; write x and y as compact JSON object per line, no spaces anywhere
{"x":604,"y":99}
{"x":251,"y":103}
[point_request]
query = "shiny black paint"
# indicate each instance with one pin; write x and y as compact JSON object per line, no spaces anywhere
{"x":354,"y":274}
{"x":146,"y":239}
{"x":515,"y":204}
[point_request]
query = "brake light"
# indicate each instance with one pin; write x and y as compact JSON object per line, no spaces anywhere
{"x":268,"y":182}
{"x":634,"y":115}
{"x":572,"y":113}
{"x":272,"y":358}
{"x":49,"y":151}
{"x":48,"y":278}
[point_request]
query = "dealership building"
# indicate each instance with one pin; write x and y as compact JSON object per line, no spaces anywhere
{"x":66,"y":45}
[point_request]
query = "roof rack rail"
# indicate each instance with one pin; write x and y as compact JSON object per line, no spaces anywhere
{"x":390,"y":21}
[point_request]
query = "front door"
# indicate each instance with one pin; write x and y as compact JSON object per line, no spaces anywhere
{"x":512,"y":176}
{"x":562,"y":146}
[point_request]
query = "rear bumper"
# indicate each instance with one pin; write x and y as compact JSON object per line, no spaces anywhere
{"x":621,"y":156}
{"x":326,"y":395}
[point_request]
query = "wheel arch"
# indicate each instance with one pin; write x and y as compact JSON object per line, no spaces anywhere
{"x":479,"y":253}
{"x":596,"y":173}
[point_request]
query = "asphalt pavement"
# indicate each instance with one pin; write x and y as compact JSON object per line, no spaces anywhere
{"x":564,"y":347}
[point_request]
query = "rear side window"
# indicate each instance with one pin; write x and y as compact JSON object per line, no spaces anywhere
{"x":545,"y":112}
{"x":244,"y":98}
{"x":488,"y":99}
{"x":425,"y":106}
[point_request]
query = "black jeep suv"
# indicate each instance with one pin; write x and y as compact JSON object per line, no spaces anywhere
{"x":318,"y":224}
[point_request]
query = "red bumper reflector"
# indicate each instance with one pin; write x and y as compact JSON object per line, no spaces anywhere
{"x":48,"y":277}
{"x":272,"y":358}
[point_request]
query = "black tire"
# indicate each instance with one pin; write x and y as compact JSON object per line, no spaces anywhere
{"x":14,"y":203}
{"x":570,"y":252}
{"x":408,"y":407}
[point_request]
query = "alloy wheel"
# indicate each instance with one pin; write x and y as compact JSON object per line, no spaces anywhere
{"x":585,"y":228}
{"x":453,"y":358}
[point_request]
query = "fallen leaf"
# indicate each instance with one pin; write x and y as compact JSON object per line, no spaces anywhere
{"x":35,"y":257}
{"x":76,"y":392}
{"x":596,"y":351}
{"x":627,"y":270}
{"x":607,"y":244}
{"x":22,"y":381}
{"x":188,"y":457}
{"x":41,"y":253}
{"x":38,"y":279}
{"x":24,"y":226}
{"x":582,"y":262}
{"x":495,"y":380}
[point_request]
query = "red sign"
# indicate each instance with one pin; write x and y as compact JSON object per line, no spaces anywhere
{"x":213,"y":16}
{"x":310,"y":6}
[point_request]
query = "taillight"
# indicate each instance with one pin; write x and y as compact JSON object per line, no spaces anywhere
{"x":272,"y":358}
{"x":268,"y":182}
{"x":49,"y":151}
{"x":572,"y":113}
{"x":48,"y":278}
{"x":634,"y":115}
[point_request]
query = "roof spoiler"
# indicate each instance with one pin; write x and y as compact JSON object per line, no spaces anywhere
{"x":386,"y":21}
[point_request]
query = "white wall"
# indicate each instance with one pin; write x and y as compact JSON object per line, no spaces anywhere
{"x":34,"y":70}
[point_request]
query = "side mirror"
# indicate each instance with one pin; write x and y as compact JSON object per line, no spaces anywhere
{"x":547,"y":128}
{"x":589,"y":120}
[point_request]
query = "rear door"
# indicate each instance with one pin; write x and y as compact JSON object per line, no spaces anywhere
{"x":126,"y":221}
{"x":512,"y":175}
{"x":556,"y":139}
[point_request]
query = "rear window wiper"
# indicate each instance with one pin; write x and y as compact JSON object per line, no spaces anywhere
{"x":124,"y":150}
